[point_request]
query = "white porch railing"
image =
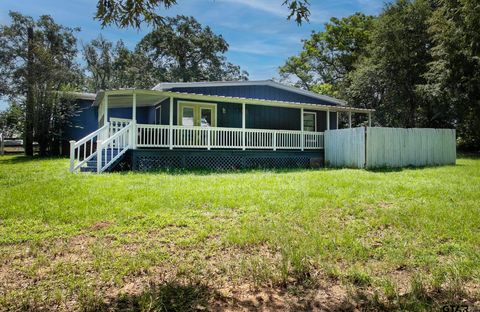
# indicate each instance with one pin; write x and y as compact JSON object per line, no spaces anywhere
{"x":216,"y":137}
{"x":114,"y":147}
{"x":84,"y":150}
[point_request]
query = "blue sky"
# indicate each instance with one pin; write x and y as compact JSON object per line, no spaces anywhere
{"x":260,"y":37}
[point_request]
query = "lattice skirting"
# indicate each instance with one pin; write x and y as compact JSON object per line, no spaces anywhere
{"x":145,"y":160}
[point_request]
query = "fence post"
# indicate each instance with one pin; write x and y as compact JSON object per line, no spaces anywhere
{"x":2,"y":145}
{"x":72,"y":155}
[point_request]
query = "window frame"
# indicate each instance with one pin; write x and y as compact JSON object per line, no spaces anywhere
{"x":314,"y":121}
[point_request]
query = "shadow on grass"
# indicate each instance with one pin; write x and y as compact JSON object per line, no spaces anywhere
{"x":206,"y":172}
{"x":173,"y":297}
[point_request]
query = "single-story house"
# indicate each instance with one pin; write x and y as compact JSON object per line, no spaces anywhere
{"x":228,"y":124}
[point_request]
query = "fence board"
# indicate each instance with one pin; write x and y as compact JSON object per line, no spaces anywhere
{"x":345,"y":148}
{"x":396,"y":147}
{"x":379,"y":147}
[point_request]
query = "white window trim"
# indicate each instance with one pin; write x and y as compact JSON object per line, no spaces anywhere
{"x":159,"y":108}
{"x":195,"y":104}
{"x":314,"y":120}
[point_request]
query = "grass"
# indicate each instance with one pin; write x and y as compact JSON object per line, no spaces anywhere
{"x":175,"y":241}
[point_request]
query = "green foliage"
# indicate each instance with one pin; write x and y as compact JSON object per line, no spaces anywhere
{"x":386,"y":79}
{"x":187,"y":51}
{"x":330,"y":54}
{"x":125,"y":13}
{"x":52,"y":64}
{"x":417,"y":64}
{"x":115,"y":66}
{"x":180,"y":49}
{"x":453,"y":76}
{"x":11,"y":121}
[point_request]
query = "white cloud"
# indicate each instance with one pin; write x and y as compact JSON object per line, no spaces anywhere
{"x":273,"y":7}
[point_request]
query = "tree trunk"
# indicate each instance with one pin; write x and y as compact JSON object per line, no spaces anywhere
{"x":29,"y":111}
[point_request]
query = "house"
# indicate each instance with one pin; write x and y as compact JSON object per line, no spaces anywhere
{"x":233,"y":124}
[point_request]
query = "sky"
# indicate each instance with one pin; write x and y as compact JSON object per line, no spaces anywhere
{"x":259,"y":35}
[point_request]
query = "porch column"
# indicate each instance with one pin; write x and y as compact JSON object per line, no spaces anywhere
{"x":243,"y":126}
{"x":336,"y":114}
{"x":170,"y":123}
{"x":349,"y":119}
{"x":369,"y":119}
{"x":328,"y":119}
{"x":134,"y":120}
{"x":302,"y":138}
{"x":105,"y":110}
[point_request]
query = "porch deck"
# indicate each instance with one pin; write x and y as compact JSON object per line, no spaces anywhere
{"x":116,"y":138}
{"x":192,"y":124}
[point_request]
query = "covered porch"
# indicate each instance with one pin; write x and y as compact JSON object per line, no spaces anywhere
{"x":135,"y":120}
{"x":171,"y":120}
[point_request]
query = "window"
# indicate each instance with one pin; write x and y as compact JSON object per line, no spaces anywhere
{"x":187,"y":116}
{"x":158,"y":115}
{"x":309,"y":121}
{"x":205,"y":117}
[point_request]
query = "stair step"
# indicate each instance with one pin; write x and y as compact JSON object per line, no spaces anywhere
{"x":88,"y":169}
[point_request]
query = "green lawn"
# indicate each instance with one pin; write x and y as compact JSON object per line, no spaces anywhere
{"x":295,"y":239}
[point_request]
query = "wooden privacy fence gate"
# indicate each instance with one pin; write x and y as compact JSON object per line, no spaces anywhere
{"x":378,"y":147}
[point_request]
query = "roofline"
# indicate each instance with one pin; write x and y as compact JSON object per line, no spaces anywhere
{"x":82,"y":95}
{"x":238,"y":100}
{"x":168,"y":85}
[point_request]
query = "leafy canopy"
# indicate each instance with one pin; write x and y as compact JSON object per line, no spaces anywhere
{"x":133,"y":13}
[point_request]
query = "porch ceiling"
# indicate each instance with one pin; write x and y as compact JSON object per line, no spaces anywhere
{"x":126,"y":100}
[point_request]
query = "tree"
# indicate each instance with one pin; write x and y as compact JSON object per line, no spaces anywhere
{"x":453,"y":76}
{"x":388,"y":76}
{"x":187,"y":51}
{"x":329,"y":55}
{"x":132,"y":13}
{"x":114,"y":66}
{"x":12,"y":121}
{"x":99,"y":58}
{"x":35,"y":69}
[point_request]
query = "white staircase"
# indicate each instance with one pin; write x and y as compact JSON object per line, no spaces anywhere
{"x":100,"y":150}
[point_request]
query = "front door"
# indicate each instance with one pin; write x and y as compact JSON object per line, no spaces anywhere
{"x":197,"y":114}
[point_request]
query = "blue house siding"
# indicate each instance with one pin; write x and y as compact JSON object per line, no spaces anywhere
{"x":257,"y":116}
{"x":84,"y":122}
{"x":255,"y":92}
{"x":228,"y":115}
{"x":145,"y":114}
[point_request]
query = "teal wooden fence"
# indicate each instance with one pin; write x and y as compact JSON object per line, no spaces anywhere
{"x":378,"y":147}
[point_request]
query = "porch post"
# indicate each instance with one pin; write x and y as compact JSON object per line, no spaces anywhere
{"x":72,"y":154}
{"x":328,"y":119}
{"x":349,"y":119}
{"x":134,"y":120}
{"x":369,"y":119}
{"x":170,"y":123}
{"x":105,"y":110}
{"x":336,"y":114}
{"x":243,"y":126}
{"x":302,"y":138}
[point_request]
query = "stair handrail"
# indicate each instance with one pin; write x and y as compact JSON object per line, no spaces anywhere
{"x":76,"y":147}
{"x":123,"y":142}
